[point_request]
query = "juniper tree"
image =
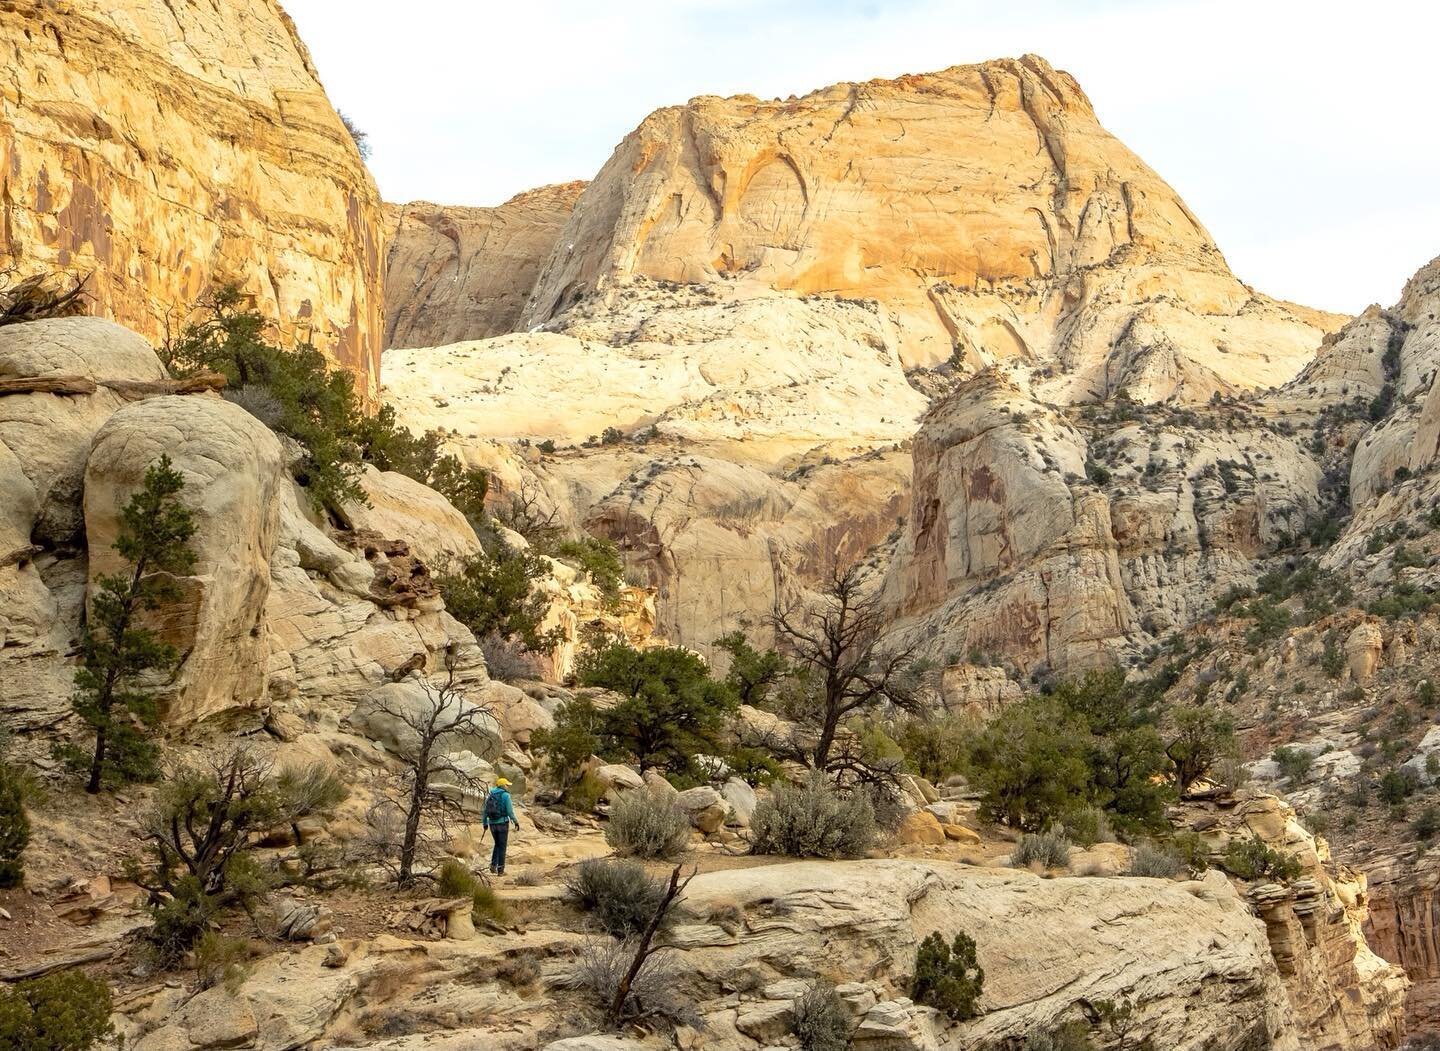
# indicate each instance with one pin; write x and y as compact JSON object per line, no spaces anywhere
{"x":14,"y":826}
{"x":116,"y":649}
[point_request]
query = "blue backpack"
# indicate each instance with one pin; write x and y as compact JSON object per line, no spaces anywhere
{"x":495,"y":808}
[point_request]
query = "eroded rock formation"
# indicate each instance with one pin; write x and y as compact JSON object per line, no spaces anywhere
{"x":984,"y":205}
{"x":455,"y":274}
{"x":165,"y":148}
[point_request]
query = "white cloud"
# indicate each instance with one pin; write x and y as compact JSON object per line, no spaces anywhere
{"x":1297,"y":130}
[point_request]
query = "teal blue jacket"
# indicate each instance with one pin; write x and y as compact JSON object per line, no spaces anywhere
{"x":509,"y":817}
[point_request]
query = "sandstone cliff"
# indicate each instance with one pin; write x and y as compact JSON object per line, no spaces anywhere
{"x":454,"y":274}
{"x":750,"y":291}
{"x":984,"y":205}
{"x":165,"y":148}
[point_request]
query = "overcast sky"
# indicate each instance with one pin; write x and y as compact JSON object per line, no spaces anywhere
{"x":1301,"y":132}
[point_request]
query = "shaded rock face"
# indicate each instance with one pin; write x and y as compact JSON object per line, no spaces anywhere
{"x":165,"y":148}
{"x":1021,"y":541}
{"x":984,"y":205}
{"x":455,"y":273}
{"x":1404,"y":927}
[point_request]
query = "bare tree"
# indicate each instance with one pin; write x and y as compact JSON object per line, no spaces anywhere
{"x":842,"y":669}
{"x":629,"y":978}
{"x":526,"y":513}
{"x":433,"y":786}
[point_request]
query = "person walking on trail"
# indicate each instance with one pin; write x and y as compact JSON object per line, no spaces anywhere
{"x":499,"y":817}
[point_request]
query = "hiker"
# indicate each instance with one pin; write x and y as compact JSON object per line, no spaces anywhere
{"x":499,"y":816}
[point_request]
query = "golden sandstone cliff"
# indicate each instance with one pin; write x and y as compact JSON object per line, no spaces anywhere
{"x":984,"y":206}
{"x":454,"y":273}
{"x":164,"y":148}
{"x":760,"y":299}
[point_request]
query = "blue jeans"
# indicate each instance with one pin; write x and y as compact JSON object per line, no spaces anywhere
{"x":501,"y":835}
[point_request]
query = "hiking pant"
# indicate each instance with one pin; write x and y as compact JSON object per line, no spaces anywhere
{"x":501,"y":835}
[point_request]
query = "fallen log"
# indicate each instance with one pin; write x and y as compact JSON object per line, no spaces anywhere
{"x":47,"y":385}
{"x":133,"y":390}
{"x":57,"y":963}
{"x":130,"y":390}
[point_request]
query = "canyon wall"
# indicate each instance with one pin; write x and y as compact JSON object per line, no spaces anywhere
{"x":166,"y":148}
{"x":984,"y":205}
{"x":454,"y":273}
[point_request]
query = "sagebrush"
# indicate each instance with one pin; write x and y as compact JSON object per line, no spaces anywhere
{"x":813,"y":820}
{"x":647,"y":824}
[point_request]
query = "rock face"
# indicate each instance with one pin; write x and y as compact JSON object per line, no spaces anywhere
{"x":1066,"y":538}
{"x":1343,"y":994}
{"x":1197,"y":967}
{"x":773,"y":285}
{"x":282,"y":612}
{"x":165,"y":148}
{"x":454,"y":273}
{"x":984,"y":205}
{"x":762,"y":445}
{"x":232,"y":467}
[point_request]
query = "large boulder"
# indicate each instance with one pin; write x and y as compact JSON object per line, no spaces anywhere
{"x":49,"y":435}
{"x":741,"y":800}
{"x":705,"y":807}
{"x":232,"y":465}
{"x":1189,"y":956}
{"x":404,"y":509}
{"x":390,"y":714}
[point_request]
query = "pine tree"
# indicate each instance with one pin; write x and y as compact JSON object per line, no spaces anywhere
{"x":115,"y":649}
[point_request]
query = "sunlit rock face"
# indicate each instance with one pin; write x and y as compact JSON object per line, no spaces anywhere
{"x":984,"y":205}
{"x":165,"y":148}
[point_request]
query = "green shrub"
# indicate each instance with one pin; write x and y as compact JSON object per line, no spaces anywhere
{"x":1332,"y":658}
{"x":647,"y":824}
{"x":1157,"y":862}
{"x":1426,"y":823}
{"x":14,"y":826}
{"x":454,"y":880}
{"x":62,"y":1011}
{"x":1398,"y":784}
{"x":585,"y":794}
{"x":1087,"y":826}
{"x":219,"y":959}
{"x":567,"y":745}
{"x":599,"y":559}
{"x":620,"y":896}
{"x":752,"y":765}
{"x":1294,"y":763}
{"x":391,"y":447}
{"x":935,"y":747}
{"x":948,"y":977}
{"x":821,"y":1021}
{"x":1050,"y":849}
{"x":672,"y":707}
{"x":813,"y":820}
{"x":493,"y":594}
{"x":1192,"y":850}
{"x":313,"y":405}
{"x":1250,"y":859}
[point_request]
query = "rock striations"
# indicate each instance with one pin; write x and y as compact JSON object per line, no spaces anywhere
{"x":984,"y":205}
{"x":454,"y":274}
{"x":163,"y":148}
